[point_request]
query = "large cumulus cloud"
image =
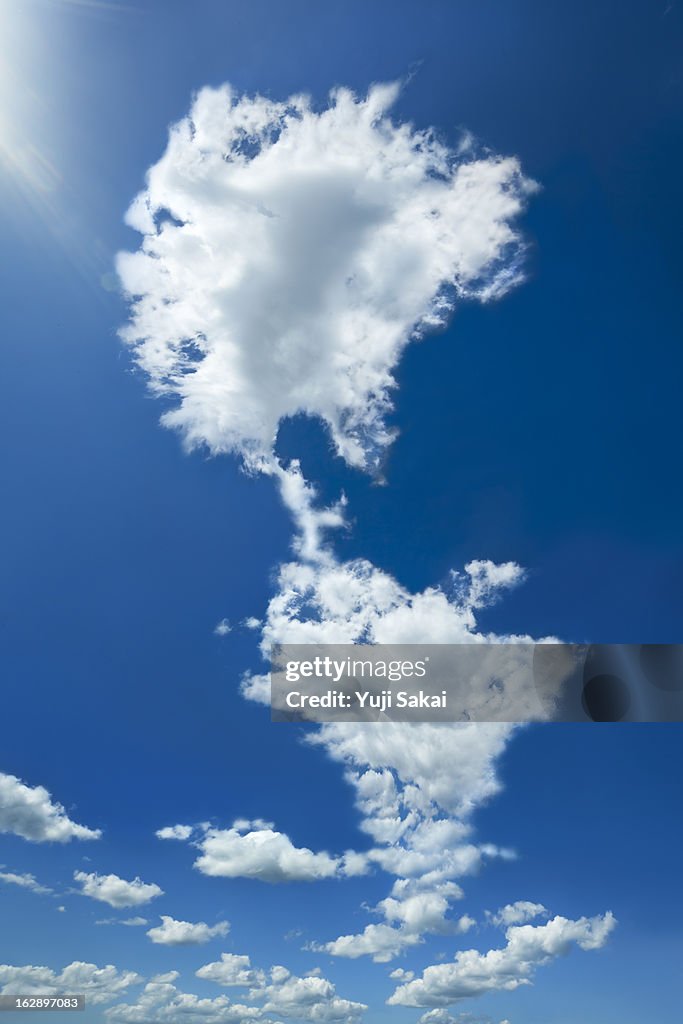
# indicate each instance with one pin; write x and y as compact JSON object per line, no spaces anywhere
{"x":289,"y":254}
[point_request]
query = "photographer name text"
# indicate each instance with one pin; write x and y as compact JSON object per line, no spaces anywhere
{"x":383,"y":701}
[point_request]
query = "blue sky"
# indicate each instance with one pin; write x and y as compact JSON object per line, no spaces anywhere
{"x":540,"y":429}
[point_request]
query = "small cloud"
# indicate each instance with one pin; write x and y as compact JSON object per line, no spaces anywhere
{"x":223,"y":628}
{"x":115,"y":891}
{"x":464,"y":924}
{"x":180,"y":832}
{"x":30,"y":812}
{"x":169,"y":977}
{"x":516,"y":913}
{"x":186,"y":933}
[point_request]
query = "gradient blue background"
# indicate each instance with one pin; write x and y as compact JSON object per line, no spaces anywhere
{"x":544,"y":429}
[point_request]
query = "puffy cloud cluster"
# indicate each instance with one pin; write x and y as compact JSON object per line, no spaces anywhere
{"x":186,"y":933}
{"x":115,"y":891}
{"x":289,"y":255}
{"x":272,"y":994}
{"x":312,"y":998}
{"x":233,"y":971}
{"x":29,"y":812}
{"x":416,"y":784}
{"x":283,"y":994}
{"x":528,"y":946}
{"x":278,"y":993}
{"x":98,"y":984}
{"x":161,"y":1002}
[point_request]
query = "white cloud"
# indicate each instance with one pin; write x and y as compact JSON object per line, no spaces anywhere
{"x":115,"y":891}
{"x":283,"y":994}
{"x":185,"y":933}
{"x":98,"y":984}
{"x":222,"y":628}
{"x":528,"y":946}
{"x":244,"y":851}
{"x":288,"y":258}
{"x":464,"y":924}
{"x":414,"y":912}
{"x":289,"y":255}
{"x":312,"y":998}
{"x":278,"y":993}
{"x":232,"y":970}
{"x":25,"y":881}
{"x":416,"y":784}
{"x":29,"y":812}
{"x":380,"y":941}
{"x":160,"y":1002}
{"x":175,"y":832}
{"x":517,"y":913}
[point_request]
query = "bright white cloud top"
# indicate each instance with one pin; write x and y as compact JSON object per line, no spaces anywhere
{"x":29,"y":812}
{"x":289,"y":254}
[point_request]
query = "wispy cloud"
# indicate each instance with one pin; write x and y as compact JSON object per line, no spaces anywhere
{"x":129,"y":922}
{"x":24,"y":881}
